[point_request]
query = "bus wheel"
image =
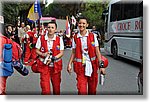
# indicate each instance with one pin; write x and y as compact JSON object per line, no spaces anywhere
{"x":115,"y":51}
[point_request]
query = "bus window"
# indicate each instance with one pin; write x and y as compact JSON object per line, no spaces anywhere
{"x":134,"y":11}
{"x":115,"y":12}
{"x":141,"y":10}
{"x":122,"y":11}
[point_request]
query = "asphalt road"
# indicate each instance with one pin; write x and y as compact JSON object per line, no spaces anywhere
{"x":121,"y":78}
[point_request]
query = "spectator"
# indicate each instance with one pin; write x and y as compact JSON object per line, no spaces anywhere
{"x":15,"y":33}
{"x":21,"y":32}
{"x":94,"y":30}
{"x":60,"y":33}
{"x":8,"y":31}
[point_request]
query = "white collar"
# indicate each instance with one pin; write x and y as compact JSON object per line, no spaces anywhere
{"x":46,"y":37}
{"x":79,"y":35}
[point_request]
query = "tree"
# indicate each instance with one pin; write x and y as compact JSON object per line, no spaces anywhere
{"x":60,"y":10}
{"x":93,"y":11}
{"x":11,"y":11}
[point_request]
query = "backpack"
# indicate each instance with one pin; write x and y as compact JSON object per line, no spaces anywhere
{"x":6,"y":68}
{"x":20,"y":68}
{"x":10,"y":58}
{"x":16,"y":62}
{"x":35,"y":63}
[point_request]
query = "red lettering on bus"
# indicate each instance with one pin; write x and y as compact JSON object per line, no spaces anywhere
{"x":124,"y":26}
{"x":120,"y":26}
{"x":139,"y":25}
{"x":136,"y":25}
{"x":129,"y":25}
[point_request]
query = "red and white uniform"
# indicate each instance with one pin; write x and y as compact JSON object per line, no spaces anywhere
{"x":50,"y":73}
{"x":16,"y":55}
{"x":33,"y":50}
{"x":3,"y":79}
{"x":43,"y":31}
{"x":86,"y":62}
{"x":28,"y":34}
{"x":30,"y":53}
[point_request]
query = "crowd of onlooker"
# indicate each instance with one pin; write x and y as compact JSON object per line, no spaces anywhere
{"x":19,"y":34}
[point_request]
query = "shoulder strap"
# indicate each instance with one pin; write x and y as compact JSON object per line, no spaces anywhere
{"x":43,"y":41}
{"x":75,"y":37}
{"x":42,"y":38}
{"x":91,"y":35}
{"x":18,"y":49}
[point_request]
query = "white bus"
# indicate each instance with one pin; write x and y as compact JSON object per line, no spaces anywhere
{"x":124,"y":29}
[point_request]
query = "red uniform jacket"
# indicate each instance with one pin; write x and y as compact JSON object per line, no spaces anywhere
{"x":91,"y":51}
{"x":55,"y":51}
{"x":16,"y":49}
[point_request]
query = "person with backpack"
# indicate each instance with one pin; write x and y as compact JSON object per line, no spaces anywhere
{"x":50,"y":49}
{"x":6,"y":69}
{"x":86,"y":59}
{"x":10,"y":55}
{"x":5,"y":64}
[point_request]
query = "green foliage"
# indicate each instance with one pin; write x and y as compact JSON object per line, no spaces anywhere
{"x":54,"y":10}
{"x":59,"y":10}
{"x":93,"y":11}
{"x":12,"y":10}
